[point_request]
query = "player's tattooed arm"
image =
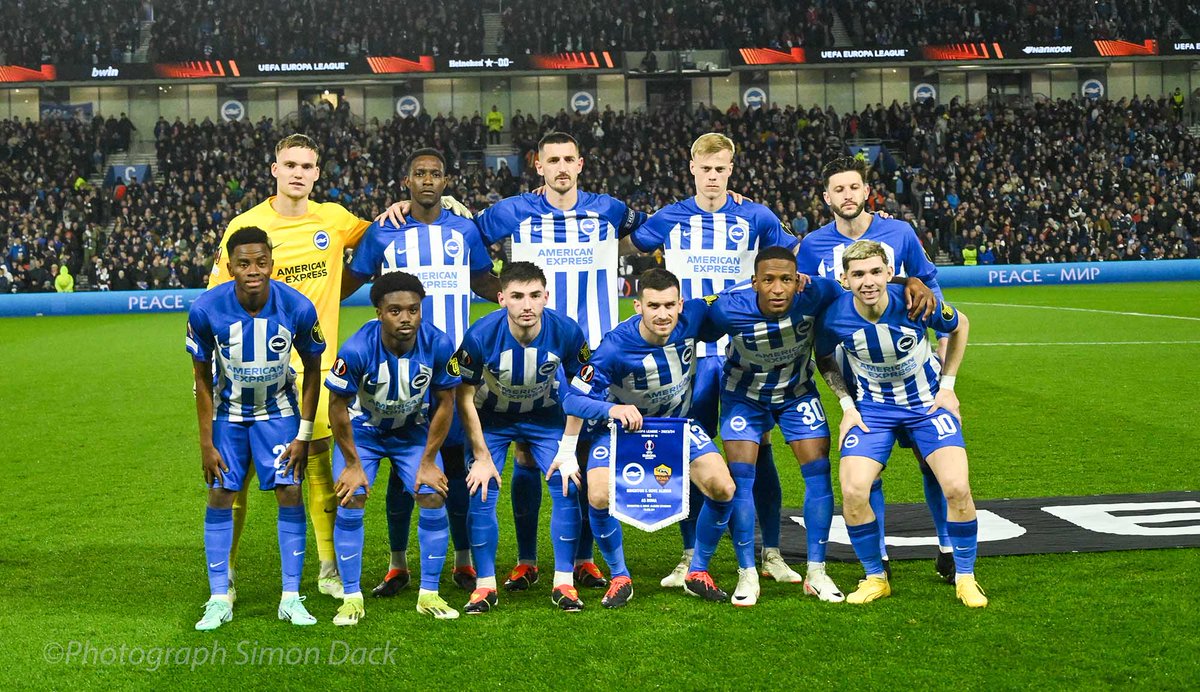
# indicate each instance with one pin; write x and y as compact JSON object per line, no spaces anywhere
{"x":832,"y":374}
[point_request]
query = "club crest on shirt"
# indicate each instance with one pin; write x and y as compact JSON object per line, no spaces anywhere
{"x":548,"y":367}
{"x":906,"y":342}
{"x":589,"y":226}
{"x":279,"y":343}
{"x":600,"y":452}
{"x":420,"y":381}
{"x":686,"y":357}
{"x":321,"y":240}
{"x":453,"y":247}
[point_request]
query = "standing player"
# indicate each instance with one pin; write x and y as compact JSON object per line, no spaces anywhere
{"x":574,"y":235}
{"x":647,"y":367}
{"x":846,"y":193}
{"x":512,"y":362}
{"x":250,"y":329}
{"x":709,"y":242}
{"x":902,"y":387}
{"x":381,"y":385}
{"x":309,"y":241}
{"x":446,"y":252}
{"x":767,"y":382}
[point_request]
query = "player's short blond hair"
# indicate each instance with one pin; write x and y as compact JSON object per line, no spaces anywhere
{"x":861,"y":250}
{"x":297,"y":140}
{"x":712,"y":143}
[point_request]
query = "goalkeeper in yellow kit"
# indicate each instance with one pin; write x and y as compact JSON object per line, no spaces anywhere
{"x":309,"y":240}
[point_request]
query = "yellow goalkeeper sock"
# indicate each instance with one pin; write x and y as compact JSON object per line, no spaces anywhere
{"x":322,"y":502}
{"x":239,"y":521}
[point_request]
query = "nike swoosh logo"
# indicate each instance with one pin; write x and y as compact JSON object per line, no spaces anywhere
{"x":478,"y":545}
{"x":214,"y":565}
{"x":822,"y":541}
{"x":607,"y":534}
{"x":435,"y":557}
{"x":297,"y":553}
{"x":347,"y":557}
{"x":961,"y":549}
{"x":742,"y":543}
{"x":330,"y":511}
{"x":723,"y":524}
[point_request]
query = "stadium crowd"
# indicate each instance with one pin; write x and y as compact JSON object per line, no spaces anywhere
{"x":83,"y":32}
{"x":1071,"y":180}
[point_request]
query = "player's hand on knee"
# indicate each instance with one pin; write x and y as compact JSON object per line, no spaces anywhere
{"x":483,"y":470}
{"x":348,"y":483}
{"x":297,"y":459}
{"x":567,"y":465}
{"x":628,"y":416}
{"x":213,"y":465}
{"x":948,"y":400}
{"x":851,"y":418}
{"x":432,"y":476}
{"x":395,"y":213}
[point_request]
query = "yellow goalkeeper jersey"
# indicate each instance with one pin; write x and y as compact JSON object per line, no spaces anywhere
{"x":309,"y":253}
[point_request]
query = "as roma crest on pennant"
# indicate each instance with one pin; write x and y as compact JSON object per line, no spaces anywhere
{"x":662,"y":474}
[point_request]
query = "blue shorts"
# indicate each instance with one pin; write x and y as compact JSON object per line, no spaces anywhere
{"x":599,"y":448}
{"x":928,"y":432}
{"x":706,"y":393}
{"x":542,"y":440}
{"x":403,"y":449}
{"x":744,"y":419}
{"x":260,"y":442}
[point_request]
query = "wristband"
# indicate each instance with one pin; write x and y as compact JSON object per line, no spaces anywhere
{"x":947,"y":382}
{"x":847,"y":402}
{"x":306,"y":431}
{"x":568,"y":444}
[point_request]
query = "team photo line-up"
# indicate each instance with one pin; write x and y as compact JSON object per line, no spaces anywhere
{"x":728,"y":337}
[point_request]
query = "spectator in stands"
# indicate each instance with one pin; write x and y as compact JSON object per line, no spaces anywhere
{"x":63,"y":281}
{"x":495,"y":124}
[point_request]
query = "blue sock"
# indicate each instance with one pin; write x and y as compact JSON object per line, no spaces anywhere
{"x":687,"y":527}
{"x":399,"y":505}
{"x":433,"y":537}
{"x":292,"y":536}
{"x":865,"y":539}
{"x":818,"y":507}
{"x":964,"y":537}
{"x":710,"y":526}
{"x":741,"y":522}
{"x":527,"y":504}
{"x":610,"y":539}
{"x":878,"y":506}
{"x":583,"y":548}
{"x":218,"y":538}
{"x":936,"y":500}
{"x":348,"y":545}
{"x":768,"y":497}
{"x":458,"y":503}
{"x":484,"y":530}
{"x":565,"y":523}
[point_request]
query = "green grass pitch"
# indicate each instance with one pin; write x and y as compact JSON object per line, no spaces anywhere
{"x":102,"y":564}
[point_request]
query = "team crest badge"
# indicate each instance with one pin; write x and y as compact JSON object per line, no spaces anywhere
{"x":279,"y":343}
{"x":906,"y":342}
{"x":662,"y":474}
{"x":548,"y":367}
{"x":420,"y":381}
{"x":321,"y":240}
{"x":687,"y":354}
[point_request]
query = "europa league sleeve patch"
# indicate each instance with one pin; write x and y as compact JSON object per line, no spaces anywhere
{"x":339,"y":367}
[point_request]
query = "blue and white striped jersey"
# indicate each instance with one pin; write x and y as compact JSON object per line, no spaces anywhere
{"x":626,"y":369}
{"x":443,"y":255}
{"x":821,"y":252}
{"x":392,"y":392}
{"x":711,"y":251}
{"x":513,"y":379}
{"x":253,"y":376}
{"x":769,"y":359}
{"x":890,"y":359}
{"x":576,"y":248}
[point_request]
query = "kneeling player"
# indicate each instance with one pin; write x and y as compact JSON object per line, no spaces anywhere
{"x":512,"y":362}
{"x":249,"y":328}
{"x":380,"y":387}
{"x":647,"y":367}
{"x":902,"y":388}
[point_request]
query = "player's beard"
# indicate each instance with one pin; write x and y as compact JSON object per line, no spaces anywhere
{"x":850,"y":216}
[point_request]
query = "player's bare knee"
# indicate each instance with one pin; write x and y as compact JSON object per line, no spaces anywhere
{"x":598,"y":495}
{"x":958,"y":494}
{"x":430,"y":500}
{"x":356,"y":502}
{"x":288,"y":495}
{"x":720,"y":489}
{"x":855,"y":495}
{"x":220,"y":498}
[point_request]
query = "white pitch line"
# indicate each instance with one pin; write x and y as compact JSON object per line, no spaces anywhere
{"x":1056,"y":307}
{"x":1085,"y":343}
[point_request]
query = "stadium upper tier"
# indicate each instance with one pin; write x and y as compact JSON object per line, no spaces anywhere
{"x":1040,"y":182}
{"x":94,"y":32}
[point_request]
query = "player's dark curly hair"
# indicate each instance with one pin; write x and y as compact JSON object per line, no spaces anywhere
{"x":425,"y":151}
{"x":250,"y":235}
{"x":521,"y":271}
{"x":393,"y":282}
{"x":774,"y":252}
{"x":656,"y":280}
{"x":842,"y":165}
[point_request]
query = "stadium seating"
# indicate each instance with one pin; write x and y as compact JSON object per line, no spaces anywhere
{"x":1037,"y":182}
{"x":83,"y":32}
